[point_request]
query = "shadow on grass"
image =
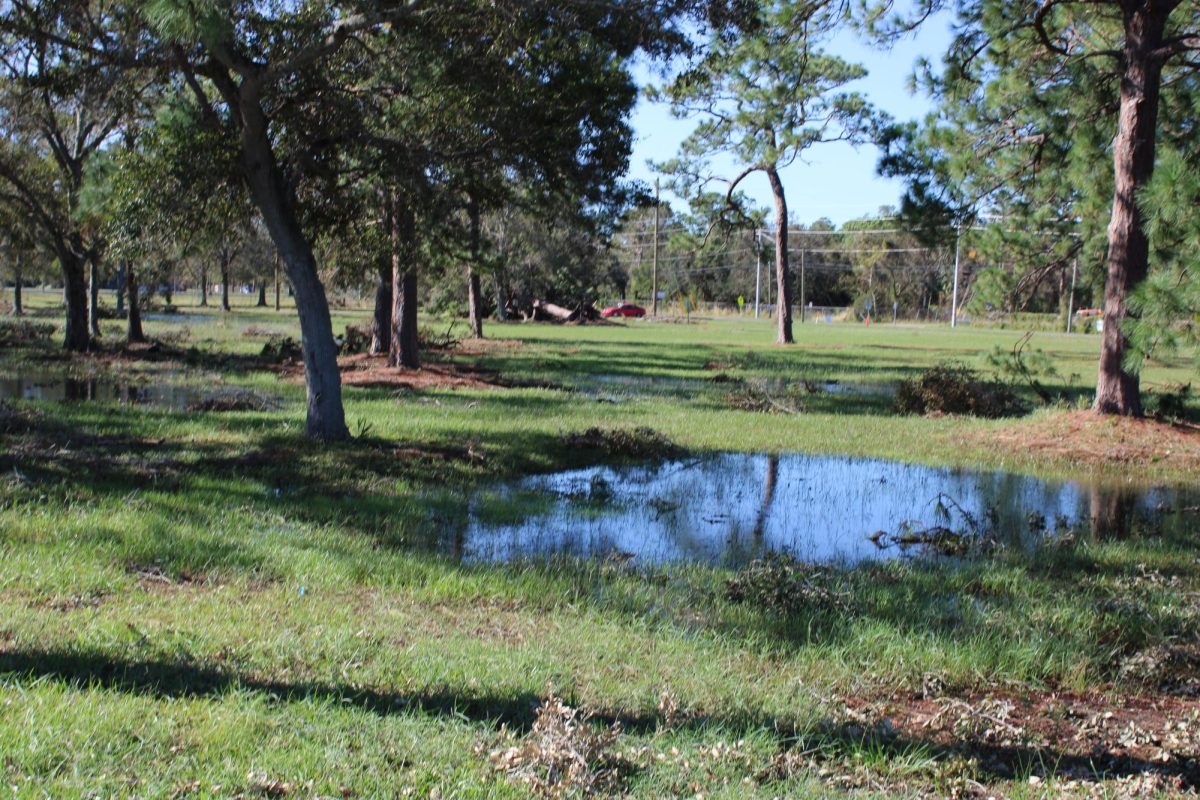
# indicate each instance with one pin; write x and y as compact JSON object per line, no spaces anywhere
{"x":517,"y":711}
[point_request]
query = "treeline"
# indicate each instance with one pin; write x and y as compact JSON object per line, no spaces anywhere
{"x":436,"y":151}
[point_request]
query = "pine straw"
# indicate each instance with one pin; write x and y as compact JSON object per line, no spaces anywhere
{"x":1089,"y":438}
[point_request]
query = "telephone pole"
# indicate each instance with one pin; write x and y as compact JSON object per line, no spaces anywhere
{"x":1071,"y":298}
{"x":954,"y":296}
{"x":757,"y":271}
{"x":801,"y":287}
{"x":654,"y":258}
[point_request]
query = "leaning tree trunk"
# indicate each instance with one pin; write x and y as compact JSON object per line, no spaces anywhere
{"x":381,"y":320}
{"x":1118,"y":390}
{"x":75,"y":296}
{"x":474,"y":292}
{"x":404,"y":347}
{"x":764,"y":508}
{"x":326,"y":417}
{"x":133,"y":329}
{"x":782,"y":273}
{"x":18,"y":308}
{"x":94,"y":293}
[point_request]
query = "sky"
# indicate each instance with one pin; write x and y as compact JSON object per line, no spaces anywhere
{"x":835,"y":180}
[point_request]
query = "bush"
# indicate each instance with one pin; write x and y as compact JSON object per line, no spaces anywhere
{"x":955,"y":388}
{"x":634,"y":443}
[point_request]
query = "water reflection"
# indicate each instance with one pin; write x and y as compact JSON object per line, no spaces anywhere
{"x":732,"y":508}
{"x":59,"y":389}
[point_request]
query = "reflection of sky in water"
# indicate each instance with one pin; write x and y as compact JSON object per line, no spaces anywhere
{"x":729,"y":509}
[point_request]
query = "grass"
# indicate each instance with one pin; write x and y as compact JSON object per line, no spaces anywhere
{"x":204,"y":604}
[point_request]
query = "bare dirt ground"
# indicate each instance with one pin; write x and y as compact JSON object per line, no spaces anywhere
{"x":1089,"y":438}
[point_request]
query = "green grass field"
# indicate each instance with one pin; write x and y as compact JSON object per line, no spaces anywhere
{"x":205,"y":604}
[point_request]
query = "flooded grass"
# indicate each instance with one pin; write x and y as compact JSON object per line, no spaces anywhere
{"x":731,"y":509}
{"x":51,"y":387}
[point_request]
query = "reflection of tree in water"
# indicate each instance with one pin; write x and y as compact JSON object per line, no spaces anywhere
{"x":760,"y":523}
{"x":79,"y":390}
{"x":1111,"y":510}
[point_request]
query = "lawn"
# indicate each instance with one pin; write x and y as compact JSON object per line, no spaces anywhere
{"x":197,"y":602}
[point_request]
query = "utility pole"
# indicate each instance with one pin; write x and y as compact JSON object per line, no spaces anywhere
{"x":654,"y":258}
{"x":802,"y":303}
{"x":1071,"y":297}
{"x":954,"y":296}
{"x":757,"y":271}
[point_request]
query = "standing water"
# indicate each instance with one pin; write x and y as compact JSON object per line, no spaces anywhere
{"x":732,"y":508}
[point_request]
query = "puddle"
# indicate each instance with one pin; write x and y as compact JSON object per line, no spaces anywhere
{"x":732,"y":508}
{"x":613,"y":387}
{"x":181,"y":319}
{"x":57,"y":389}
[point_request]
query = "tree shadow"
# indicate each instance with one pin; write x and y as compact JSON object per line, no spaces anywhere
{"x":517,"y":711}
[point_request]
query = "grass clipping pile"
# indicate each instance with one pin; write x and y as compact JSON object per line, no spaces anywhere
{"x":563,"y":755}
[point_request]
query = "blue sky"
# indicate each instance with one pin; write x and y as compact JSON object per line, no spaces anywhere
{"x":836,"y":180}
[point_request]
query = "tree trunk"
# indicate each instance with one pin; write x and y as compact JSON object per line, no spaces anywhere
{"x":133,"y":329}
{"x":94,"y":293}
{"x":75,"y":295}
{"x":326,"y":417}
{"x":276,"y":281}
{"x":1117,"y":390}
{"x":203,"y":287}
{"x":408,"y":352}
{"x":224,"y":282}
{"x":474,"y":293}
{"x":121,"y":289}
{"x":404,"y":346}
{"x":262,"y":295}
{"x":381,"y":321}
{"x":18,"y":308}
{"x":501,"y":300}
{"x":782,"y":273}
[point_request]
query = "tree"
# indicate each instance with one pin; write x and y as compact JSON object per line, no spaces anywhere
{"x":1053,"y":83}
{"x":57,"y":113}
{"x":765,"y":95}
{"x":18,"y":245}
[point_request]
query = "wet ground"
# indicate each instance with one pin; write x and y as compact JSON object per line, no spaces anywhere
{"x":732,"y":508}
{"x":52,"y":388}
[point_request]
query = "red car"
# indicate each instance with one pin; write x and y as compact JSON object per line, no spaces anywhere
{"x":623,"y":310}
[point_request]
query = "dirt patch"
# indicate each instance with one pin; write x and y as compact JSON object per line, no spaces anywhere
{"x":153,"y":577}
{"x":1065,"y":736}
{"x":1089,"y":438}
{"x":487,"y":347}
{"x":373,"y":372}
